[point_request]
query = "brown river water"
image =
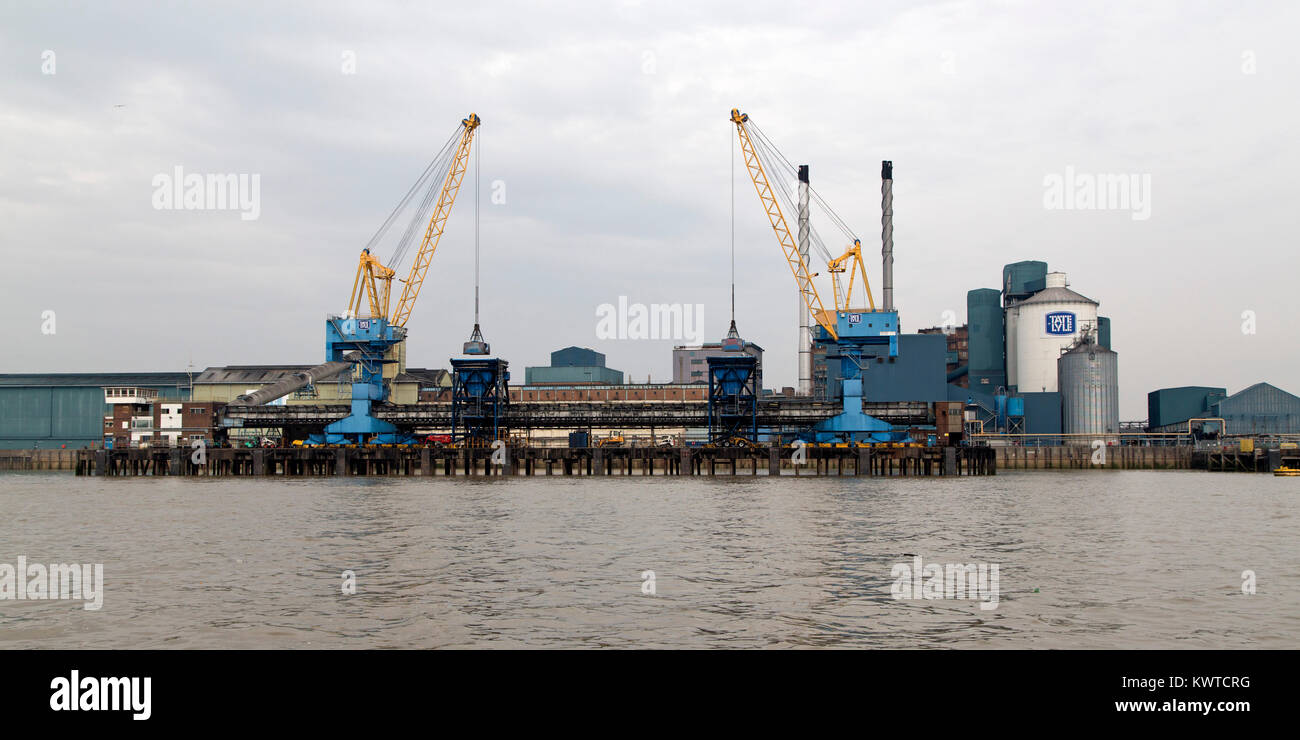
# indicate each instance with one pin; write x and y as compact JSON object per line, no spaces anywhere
{"x":1126,"y":559}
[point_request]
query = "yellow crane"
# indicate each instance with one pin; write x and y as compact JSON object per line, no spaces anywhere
{"x":836,"y":266}
{"x":372,"y":287}
{"x":802,"y":276}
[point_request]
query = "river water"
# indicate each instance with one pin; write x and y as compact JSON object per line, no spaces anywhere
{"x":1127,"y":559}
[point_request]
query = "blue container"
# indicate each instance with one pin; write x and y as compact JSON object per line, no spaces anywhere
{"x":578,"y":439}
{"x":1015,"y":406}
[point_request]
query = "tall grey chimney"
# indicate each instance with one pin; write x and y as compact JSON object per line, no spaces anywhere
{"x":887,"y":231}
{"x":805,"y":330}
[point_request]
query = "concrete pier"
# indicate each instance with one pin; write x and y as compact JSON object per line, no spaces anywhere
{"x":532,"y":461}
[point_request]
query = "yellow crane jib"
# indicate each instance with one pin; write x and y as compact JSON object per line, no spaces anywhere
{"x":437,"y":223}
{"x":836,"y":266}
{"x":370,"y":288}
{"x":802,"y":275}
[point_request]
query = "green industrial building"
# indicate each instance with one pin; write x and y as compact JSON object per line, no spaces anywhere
{"x":574,"y":366}
{"x":49,"y":410}
{"x":1262,"y":408}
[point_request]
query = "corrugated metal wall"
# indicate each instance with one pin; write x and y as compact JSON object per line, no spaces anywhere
{"x":1260,"y":409}
{"x":1089,"y":385}
{"x":1022,"y":278}
{"x":35,"y":414}
{"x":577,"y":356}
{"x":572,"y":375}
{"x":50,"y":417}
{"x":1176,"y":405}
{"x":917,"y":374}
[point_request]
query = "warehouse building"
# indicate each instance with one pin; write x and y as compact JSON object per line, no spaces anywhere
{"x":1169,"y":409}
{"x":52,"y":410}
{"x":1262,"y":408}
{"x":573,"y":366}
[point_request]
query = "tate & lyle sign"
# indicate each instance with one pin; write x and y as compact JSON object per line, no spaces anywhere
{"x":1060,"y":323}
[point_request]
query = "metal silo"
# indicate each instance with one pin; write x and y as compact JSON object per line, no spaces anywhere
{"x":984,"y":339}
{"x":1043,"y":326}
{"x":1089,"y":385}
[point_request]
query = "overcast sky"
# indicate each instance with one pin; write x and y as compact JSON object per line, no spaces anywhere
{"x":607,"y":123}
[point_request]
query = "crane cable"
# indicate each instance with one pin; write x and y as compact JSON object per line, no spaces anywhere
{"x":426,"y":180}
{"x":419,"y":219}
{"x":772,"y":156}
{"x":830,"y":212}
{"x":771,"y":159}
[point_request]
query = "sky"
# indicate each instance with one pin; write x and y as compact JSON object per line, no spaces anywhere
{"x":605,"y":170}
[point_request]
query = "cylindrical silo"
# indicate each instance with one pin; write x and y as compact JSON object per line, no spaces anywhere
{"x":984,"y":318}
{"x":1089,"y":384}
{"x":1044,"y":325}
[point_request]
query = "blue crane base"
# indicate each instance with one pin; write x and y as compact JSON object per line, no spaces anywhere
{"x":368,"y":340}
{"x":360,"y":428}
{"x":851,"y":425}
{"x":863,"y":335}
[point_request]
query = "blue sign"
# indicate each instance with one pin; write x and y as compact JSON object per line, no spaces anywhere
{"x":855,"y":318}
{"x":1060,"y":323}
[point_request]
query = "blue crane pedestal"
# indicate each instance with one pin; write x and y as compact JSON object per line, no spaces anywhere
{"x":863,"y":336}
{"x":366,"y":341}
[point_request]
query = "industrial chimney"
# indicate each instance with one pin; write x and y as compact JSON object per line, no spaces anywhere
{"x":887,"y":231}
{"x":805,"y":329}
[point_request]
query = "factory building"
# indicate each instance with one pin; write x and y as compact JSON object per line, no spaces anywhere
{"x":572,"y":366}
{"x":139,"y":418}
{"x":957,"y":358}
{"x":1259,"y":409}
{"x":1040,"y":356}
{"x":691,"y":364}
{"x":1169,"y":409}
{"x":52,"y":410}
{"x":916,"y":374}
